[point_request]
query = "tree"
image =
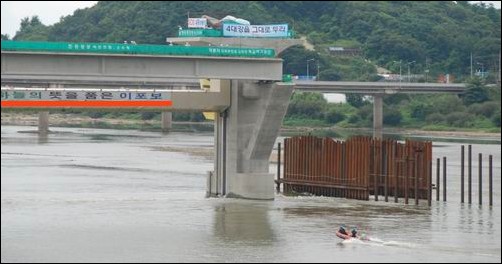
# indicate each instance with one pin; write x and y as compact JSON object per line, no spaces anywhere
{"x":420,"y":109}
{"x":334,"y":116}
{"x":496,"y":119}
{"x":32,"y":29}
{"x":307,"y":105}
{"x":355,"y":100}
{"x":5,"y":37}
{"x":476,"y":92}
{"x":392,"y":117}
{"x":330,"y":75}
{"x":295,"y":61}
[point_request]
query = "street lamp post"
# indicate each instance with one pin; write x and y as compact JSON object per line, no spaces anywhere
{"x":409,"y":75}
{"x":308,"y":73}
{"x":400,"y":72}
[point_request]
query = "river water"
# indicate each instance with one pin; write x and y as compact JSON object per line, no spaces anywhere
{"x":91,"y":195}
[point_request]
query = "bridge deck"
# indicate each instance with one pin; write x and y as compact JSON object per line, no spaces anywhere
{"x":369,"y":88}
{"x":86,"y":67}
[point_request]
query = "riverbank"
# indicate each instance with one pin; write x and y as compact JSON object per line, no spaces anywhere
{"x":393,"y":131}
{"x":75,"y":120}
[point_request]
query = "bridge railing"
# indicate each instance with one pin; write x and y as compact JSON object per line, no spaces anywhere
{"x":115,"y":48}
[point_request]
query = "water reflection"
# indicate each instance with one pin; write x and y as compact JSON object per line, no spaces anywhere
{"x":43,"y":138}
{"x":244,"y":221}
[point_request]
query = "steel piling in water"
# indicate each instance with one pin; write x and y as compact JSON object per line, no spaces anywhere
{"x":278,"y":187}
{"x":444,"y":179}
{"x":469,"y":174}
{"x":406,"y":185}
{"x":462,"y":152}
{"x":438,"y":165}
{"x":415,"y":176}
{"x":354,"y":168}
{"x":490,"y":179}
{"x":395,"y":171}
{"x":429,"y":184}
{"x":385,"y":173}
{"x":480,"y":184}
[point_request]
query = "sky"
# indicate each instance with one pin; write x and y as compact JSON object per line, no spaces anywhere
{"x":50,"y":12}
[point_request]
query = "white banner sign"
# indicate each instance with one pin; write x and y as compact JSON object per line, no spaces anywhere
{"x":197,"y":23}
{"x":77,"y":95}
{"x":255,"y":31}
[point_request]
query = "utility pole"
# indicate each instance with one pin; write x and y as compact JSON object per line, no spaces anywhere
{"x":308,"y":73}
{"x":426,"y":69}
{"x":499,"y":67}
{"x":307,"y":69}
{"x":317,"y":77}
{"x":400,"y":72}
{"x":409,"y":76}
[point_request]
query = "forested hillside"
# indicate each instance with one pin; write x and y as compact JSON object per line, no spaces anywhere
{"x":442,"y":34}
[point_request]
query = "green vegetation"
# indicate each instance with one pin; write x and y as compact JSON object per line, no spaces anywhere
{"x":439,"y":36}
{"x":478,"y":108}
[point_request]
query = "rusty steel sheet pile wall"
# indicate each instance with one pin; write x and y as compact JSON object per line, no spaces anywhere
{"x":352,"y":168}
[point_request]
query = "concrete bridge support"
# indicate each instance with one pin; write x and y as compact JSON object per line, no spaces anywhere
{"x":43,"y":116}
{"x":43,"y":122}
{"x":245,"y":136}
{"x":166,"y":121}
{"x":377,"y":115}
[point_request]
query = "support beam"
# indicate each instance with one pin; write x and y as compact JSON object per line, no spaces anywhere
{"x":377,"y":115}
{"x":167,"y":121}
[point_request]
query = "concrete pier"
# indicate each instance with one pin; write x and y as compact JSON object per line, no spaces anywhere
{"x":254,"y":119}
{"x":377,"y":115}
{"x":43,"y":122}
{"x":244,"y":137}
{"x":166,"y":121}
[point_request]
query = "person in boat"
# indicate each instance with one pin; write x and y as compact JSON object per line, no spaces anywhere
{"x":342,"y":230}
{"x":353,"y":232}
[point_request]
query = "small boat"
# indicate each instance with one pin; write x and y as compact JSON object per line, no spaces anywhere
{"x":343,"y":236}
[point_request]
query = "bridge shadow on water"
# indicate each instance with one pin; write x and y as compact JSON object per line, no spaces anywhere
{"x":243,"y":221}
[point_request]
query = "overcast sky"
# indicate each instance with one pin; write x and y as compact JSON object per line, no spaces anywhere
{"x":49,"y":12}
